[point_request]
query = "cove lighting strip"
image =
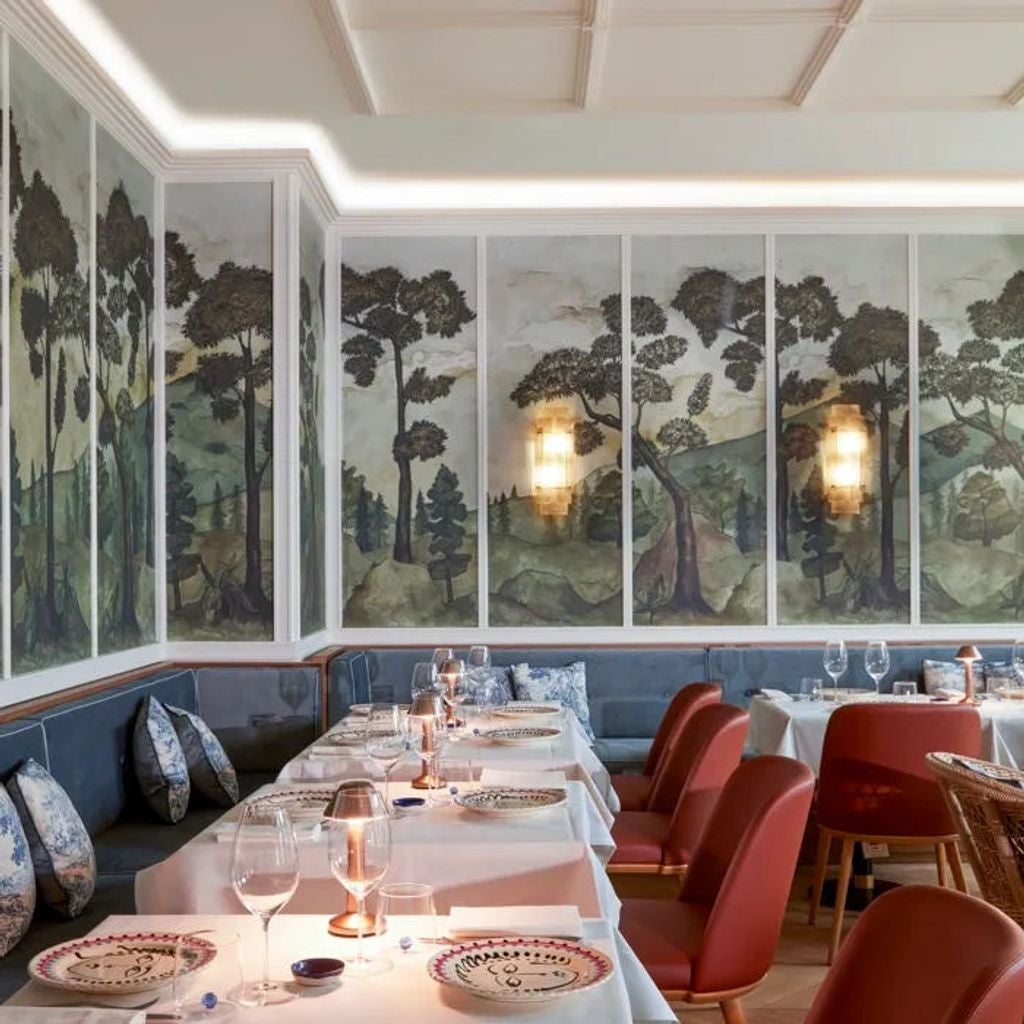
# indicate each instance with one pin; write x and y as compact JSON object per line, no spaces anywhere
{"x":354,"y":193}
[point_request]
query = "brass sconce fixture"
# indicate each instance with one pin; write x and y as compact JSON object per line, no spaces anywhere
{"x":844,"y":459}
{"x":553,"y":461}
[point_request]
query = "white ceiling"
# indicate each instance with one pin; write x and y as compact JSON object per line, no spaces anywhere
{"x":608,"y":88}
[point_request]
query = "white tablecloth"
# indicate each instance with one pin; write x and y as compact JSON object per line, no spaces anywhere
{"x":797,"y":729}
{"x":399,"y":996}
{"x":570,"y":752}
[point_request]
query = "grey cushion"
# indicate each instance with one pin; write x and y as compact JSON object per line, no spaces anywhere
{"x":20,"y":740}
{"x":622,"y":753}
{"x":17,"y":877}
{"x":62,"y":853}
{"x":209,"y":769}
{"x":160,"y":765}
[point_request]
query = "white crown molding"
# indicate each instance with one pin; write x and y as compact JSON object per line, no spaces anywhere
{"x":848,"y":13}
{"x":334,"y":22}
{"x":591,"y":50}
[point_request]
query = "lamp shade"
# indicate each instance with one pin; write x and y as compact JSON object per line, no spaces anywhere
{"x":356,"y":800}
{"x":425,"y":705}
{"x":967,"y":653}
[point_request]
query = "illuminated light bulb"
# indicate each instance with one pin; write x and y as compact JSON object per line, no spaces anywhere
{"x":843,"y":453}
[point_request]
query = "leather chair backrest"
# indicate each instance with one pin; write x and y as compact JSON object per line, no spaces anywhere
{"x":684,"y":705}
{"x":874,"y":777}
{"x":741,"y":873}
{"x":924,"y":955}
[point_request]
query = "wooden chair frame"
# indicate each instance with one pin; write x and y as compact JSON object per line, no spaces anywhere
{"x":729,"y":1002}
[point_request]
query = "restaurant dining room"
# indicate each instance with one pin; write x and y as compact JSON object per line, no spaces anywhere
{"x":512,"y":510}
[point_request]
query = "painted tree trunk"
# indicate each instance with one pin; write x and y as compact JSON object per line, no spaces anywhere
{"x":782,"y":476}
{"x":50,"y":597}
{"x":403,"y":513}
{"x":253,"y":586}
{"x":128,"y":622}
{"x":887,"y":571}
{"x":149,"y":400}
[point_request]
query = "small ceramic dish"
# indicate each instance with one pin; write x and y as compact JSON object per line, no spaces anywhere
{"x":408,"y":803}
{"x":317,"y":971}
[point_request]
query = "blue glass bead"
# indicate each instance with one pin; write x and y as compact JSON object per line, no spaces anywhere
{"x":454,"y":790}
{"x":209,"y":1000}
{"x":405,"y":943}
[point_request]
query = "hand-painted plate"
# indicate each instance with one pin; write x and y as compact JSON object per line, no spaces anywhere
{"x":299,"y":803}
{"x":520,"y":970}
{"x":521,"y":737}
{"x":119,"y":964}
{"x":354,"y":737}
{"x":364,"y":709}
{"x":510,"y":802}
{"x":527,"y":712}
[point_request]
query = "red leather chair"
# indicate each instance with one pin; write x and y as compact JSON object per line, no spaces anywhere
{"x":716,"y":942}
{"x":875,"y":786}
{"x":921,"y":955}
{"x":633,"y":790}
{"x":662,"y":839}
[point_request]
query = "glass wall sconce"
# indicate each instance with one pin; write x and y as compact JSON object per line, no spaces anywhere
{"x":553,"y":461}
{"x":844,"y":459}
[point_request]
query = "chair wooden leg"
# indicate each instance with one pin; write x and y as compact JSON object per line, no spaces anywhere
{"x":732,"y":1012}
{"x":957,"y":865}
{"x":940,"y":863}
{"x":820,"y":868}
{"x":845,"y":870}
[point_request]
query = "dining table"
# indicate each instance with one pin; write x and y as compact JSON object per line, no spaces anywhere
{"x":796,"y":728}
{"x":404,"y":993}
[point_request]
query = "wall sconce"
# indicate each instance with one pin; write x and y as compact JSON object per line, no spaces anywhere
{"x":844,"y":459}
{"x":553,"y":461}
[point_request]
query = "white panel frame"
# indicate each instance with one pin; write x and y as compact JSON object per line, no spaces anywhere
{"x":483,"y":539}
{"x":5,"y":361}
{"x":94,"y":555}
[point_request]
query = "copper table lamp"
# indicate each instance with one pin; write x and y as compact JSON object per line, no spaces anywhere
{"x":967,"y":656}
{"x":356,"y":803}
{"x":450,"y":674}
{"x":426,"y":712}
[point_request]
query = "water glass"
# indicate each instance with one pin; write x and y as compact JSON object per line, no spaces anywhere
{"x":460,"y":778}
{"x":835,"y":660}
{"x":264,"y":875}
{"x":876,"y":661}
{"x":406,"y":912}
{"x":206,"y":994}
{"x":386,"y":741}
{"x":904,"y":689}
{"x":424,"y":678}
{"x":811,"y":688}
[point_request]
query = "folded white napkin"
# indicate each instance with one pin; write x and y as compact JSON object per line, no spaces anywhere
{"x":522,"y":779}
{"x":541,"y":922}
{"x":771,"y":694}
{"x":68,"y":1015}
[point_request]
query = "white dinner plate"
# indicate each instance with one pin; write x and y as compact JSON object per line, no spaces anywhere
{"x":524,"y":971}
{"x":510,"y":801}
{"x":524,"y":736}
{"x":119,"y":965}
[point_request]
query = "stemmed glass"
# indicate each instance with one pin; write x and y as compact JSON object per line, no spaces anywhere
{"x":424,"y":677}
{"x":440,"y":656}
{"x":264,"y":875}
{"x":876,"y":661}
{"x":1018,"y":661}
{"x":385,"y":742}
{"x":358,"y":853}
{"x":835,"y":661}
{"x":479,"y":657}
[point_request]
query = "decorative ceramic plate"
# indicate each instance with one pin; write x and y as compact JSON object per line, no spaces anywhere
{"x":354,"y":737}
{"x":526,"y":712}
{"x":521,"y":737}
{"x":364,"y":709}
{"x":510,"y":802}
{"x":520,"y":970}
{"x":297,"y":802}
{"x":119,"y":964}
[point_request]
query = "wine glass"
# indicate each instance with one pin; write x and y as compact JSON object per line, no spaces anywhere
{"x":385,"y":741}
{"x":835,"y":660}
{"x":876,"y":661}
{"x":440,"y":656}
{"x":479,"y":657}
{"x":358,"y":853}
{"x":424,"y":677}
{"x":1018,"y":661}
{"x":264,"y":875}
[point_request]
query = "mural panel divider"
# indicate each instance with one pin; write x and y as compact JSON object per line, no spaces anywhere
{"x":159,"y":413}
{"x":626,"y":454}
{"x":483,"y":540}
{"x":770,"y":397}
{"x":5,"y":359}
{"x":914,"y":427}
{"x":287,"y":541}
{"x":94,"y":562}
{"x":332,"y":433}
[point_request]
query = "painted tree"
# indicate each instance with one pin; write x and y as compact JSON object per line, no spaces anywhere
{"x":819,"y":535}
{"x":364,"y":535}
{"x":984,"y":512}
{"x":504,"y":516}
{"x":744,"y":525}
{"x":33,"y":496}
{"x":231,"y":322}
{"x":237,"y":515}
{"x":181,"y":509}
{"x":871,"y":352}
{"x":217,"y":509}
{"x":389,"y":312}
{"x":717,"y":488}
{"x":446,"y":512}
{"x":47,"y":253}
{"x":310,"y":458}
{"x":982,"y":384}
{"x":421,"y":521}
{"x":594,"y":378}
{"x":17,"y":560}
{"x":717,"y":303}
{"x":379,"y":520}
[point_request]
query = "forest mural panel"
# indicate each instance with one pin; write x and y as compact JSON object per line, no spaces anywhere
{"x":49,"y":305}
{"x":698,"y":430}
{"x":311,"y":412}
{"x":219,"y":367}
{"x":408,"y":323}
{"x":972,"y":420}
{"x":554,"y":338}
{"x":124,"y":396}
{"x":841,"y":333}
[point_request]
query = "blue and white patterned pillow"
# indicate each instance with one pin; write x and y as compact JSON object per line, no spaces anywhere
{"x":209,"y":767}
{"x":17,"y":877}
{"x":160,"y":764}
{"x":497,"y":679}
{"x":1000,"y":675}
{"x":62,"y":853}
{"x":567,"y":684}
{"x":946,"y":677}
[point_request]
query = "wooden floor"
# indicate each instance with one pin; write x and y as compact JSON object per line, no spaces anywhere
{"x":800,"y":962}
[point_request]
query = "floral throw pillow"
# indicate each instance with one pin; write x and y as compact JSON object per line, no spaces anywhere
{"x":567,"y":685}
{"x":62,"y":853}
{"x":999,"y":675}
{"x":160,"y":764}
{"x":494,"y":683}
{"x":946,"y":677}
{"x":17,"y":877}
{"x":209,"y":768}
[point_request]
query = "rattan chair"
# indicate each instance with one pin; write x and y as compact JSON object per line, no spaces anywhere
{"x":989,"y":814}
